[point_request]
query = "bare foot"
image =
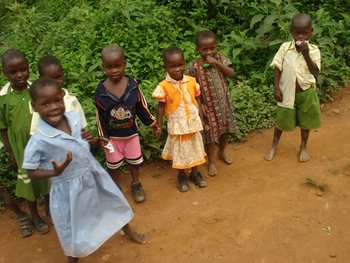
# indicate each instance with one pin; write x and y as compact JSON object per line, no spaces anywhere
{"x":304,"y":156}
{"x":133,"y":235}
{"x":225,"y":158}
{"x":212,"y":169}
{"x":270,"y":154}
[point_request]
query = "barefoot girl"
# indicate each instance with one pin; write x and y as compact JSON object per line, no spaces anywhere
{"x":86,"y":206}
{"x":178,"y":98}
{"x":211,"y":71}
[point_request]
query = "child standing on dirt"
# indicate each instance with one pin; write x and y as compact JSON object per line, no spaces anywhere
{"x":119,"y":100}
{"x":15,"y":119}
{"x":296,"y":65}
{"x":50,"y":66}
{"x":87,"y":208}
{"x":211,"y":72}
{"x":178,"y":97}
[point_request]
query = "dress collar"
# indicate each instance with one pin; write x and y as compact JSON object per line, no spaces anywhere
{"x":170,"y":79}
{"x":48,"y":131}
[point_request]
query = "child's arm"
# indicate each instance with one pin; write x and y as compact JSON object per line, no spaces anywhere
{"x":58,"y":168}
{"x":160,"y":115}
{"x":304,"y":49}
{"x":87,"y":136}
{"x":278,"y":92}
{"x":225,"y":69}
{"x":143,"y":112}
{"x":8,"y":148}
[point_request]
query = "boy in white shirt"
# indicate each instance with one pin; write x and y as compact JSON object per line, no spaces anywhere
{"x":296,"y":65}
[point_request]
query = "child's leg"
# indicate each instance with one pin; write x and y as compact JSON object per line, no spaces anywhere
{"x":304,"y":156}
{"x":72,"y":260}
{"x":222,"y":146}
{"x":209,"y":150}
{"x":39,"y":224}
{"x":197,"y":178}
{"x":276,"y":138}
{"x":114,"y":173}
{"x":47,"y":205}
{"x":182,"y":181}
{"x":133,"y":235}
{"x":136,"y":187}
{"x":25,"y":225}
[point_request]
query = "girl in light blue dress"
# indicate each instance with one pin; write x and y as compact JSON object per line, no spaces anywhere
{"x":86,"y":206}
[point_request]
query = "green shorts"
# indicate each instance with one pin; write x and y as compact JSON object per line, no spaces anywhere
{"x":306,"y":113}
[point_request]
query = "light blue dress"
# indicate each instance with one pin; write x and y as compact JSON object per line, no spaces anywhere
{"x":86,"y":206}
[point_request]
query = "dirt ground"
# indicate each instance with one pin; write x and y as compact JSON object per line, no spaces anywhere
{"x":254,"y":211}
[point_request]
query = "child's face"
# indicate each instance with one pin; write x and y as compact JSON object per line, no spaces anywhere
{"x":17,"y":72}
{"x":175,"y":66}
{"x":301,"y":31}
{"x":206,"y":47}
{"x":53,"y":72}
{"x":50,"y":105}
{"x":114,"y":65}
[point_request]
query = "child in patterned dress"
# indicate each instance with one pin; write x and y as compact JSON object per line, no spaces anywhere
{"x":211,"y":71}
{"x":178,"y":99}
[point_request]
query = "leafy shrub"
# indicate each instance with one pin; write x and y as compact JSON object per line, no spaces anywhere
{"x":249,"y":33}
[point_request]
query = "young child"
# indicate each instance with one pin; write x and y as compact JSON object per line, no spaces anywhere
{"x":296,"y":65}
{"x":119,"y":100}
{"x":15,"y":119}
{"x":50,"y":66}
{"x":23,"y":219}
{"x":86,"y":206}
{"x":211,"y":71}
{"x":178,"y":98}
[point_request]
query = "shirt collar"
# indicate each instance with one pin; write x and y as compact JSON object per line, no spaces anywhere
{"x":51,"y":132}
{"x":170,"y":79}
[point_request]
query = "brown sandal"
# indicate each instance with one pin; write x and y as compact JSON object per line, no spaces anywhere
{"x":25,"y":226}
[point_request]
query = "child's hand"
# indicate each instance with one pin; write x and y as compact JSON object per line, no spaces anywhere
{"x":278,"y":95}
{"x":303,"y":47}
{"x":211,"y":60}
{"x":103,"y":141}
{"x":59,"y":167}
{"x":204,"y":111}
{"x":157,"y":131}
{"x":87,"y":136}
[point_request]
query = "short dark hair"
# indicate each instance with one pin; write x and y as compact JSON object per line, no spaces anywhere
{"x":204,"y":34}
{"x":46,"y":61}
{"x":171,"y":51}
{"x":113,"y":48}
{"x":11,"y":54}
{"x":301,"y":17}
{"x":39,"y":85}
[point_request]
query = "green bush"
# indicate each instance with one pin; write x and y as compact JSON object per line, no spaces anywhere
{"x":249,"y":33}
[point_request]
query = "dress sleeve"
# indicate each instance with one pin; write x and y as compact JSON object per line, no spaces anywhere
{"x":226,"y":61}
{"x":143,"y":112}
{"x":32,"y":154}
{"x":191,"y":70}
{"x":159,"y":94}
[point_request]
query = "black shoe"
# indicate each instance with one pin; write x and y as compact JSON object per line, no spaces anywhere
{"x":182,"y":183}
{"x":137,"y":192}
{"x":198,"y":179}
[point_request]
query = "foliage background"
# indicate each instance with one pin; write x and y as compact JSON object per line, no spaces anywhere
{"x":249,"y":33}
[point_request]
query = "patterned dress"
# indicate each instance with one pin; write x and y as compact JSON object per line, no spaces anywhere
{"x":184,"y":145}
{"x":15,"y":117}
{"x":215,"y":95}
